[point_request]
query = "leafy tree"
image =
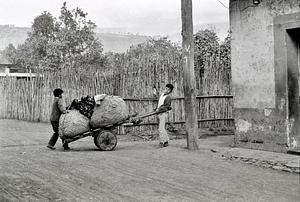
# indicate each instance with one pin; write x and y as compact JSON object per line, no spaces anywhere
{"x":225,"y":50}
{"x":68,"y":41}
{"x":44,"y":25}
{"x":10,"y":53}
{"x":77,"y":41}
{"x":157,"y":51}
{"x":206,"y":45}
{"x":154,"y":55}
{"x":35,"y":51}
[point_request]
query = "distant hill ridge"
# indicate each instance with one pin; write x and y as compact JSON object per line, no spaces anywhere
{"x":120,"y":42}
{"x":114,"y":42}
{"x":11,"y":34}
{"x":111,"y":42}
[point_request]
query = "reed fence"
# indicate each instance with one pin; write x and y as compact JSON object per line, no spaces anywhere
{"x":133,"y":79}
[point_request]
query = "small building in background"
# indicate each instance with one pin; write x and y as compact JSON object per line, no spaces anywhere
{"x":8,"y":69}
{"x":265,"y":58}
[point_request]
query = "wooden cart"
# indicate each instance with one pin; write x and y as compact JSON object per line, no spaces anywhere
{"x":105,"y":138}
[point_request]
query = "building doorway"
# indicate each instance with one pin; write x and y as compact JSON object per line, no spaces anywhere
{"x":293,"y":73}
{"x":287,"y":76}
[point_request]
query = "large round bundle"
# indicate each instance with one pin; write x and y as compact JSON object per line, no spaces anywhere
{"x":112,"y":110}
{"x":72,"y":123}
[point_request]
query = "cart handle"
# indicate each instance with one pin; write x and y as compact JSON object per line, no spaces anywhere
{"x":151,"y":113}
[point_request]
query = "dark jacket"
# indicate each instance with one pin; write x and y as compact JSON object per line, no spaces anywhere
{"x":58,"y":108}
{"x":166,"y":106}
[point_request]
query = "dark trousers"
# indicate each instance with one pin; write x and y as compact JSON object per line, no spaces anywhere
{"x":54,"y":137}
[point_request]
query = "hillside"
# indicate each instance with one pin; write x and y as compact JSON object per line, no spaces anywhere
{"x":111,"y":42}
{"x":221,"y":29}
{"x":114,"y":42}
{"x":119,"y":42}
{"x":10,"y":34}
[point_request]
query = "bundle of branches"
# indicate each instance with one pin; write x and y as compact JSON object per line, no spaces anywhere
{"x":72,"y":124}
{"x":85,"y":106}
{"x":112,"y":110}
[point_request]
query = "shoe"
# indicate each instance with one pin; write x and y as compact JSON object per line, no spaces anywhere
{"x":66,"y":148}
{"x":166,"y":144}
{"x":50,"y":147}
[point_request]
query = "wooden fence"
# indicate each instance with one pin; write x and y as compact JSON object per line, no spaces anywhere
{"x":133,"y":80}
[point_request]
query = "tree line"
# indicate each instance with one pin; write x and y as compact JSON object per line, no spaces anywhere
{"x":69,"y":41}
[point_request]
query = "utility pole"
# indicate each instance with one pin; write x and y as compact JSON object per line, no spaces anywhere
{"x":189,"y":84}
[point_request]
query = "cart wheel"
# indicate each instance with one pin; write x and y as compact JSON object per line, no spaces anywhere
{"x":105,"y":140}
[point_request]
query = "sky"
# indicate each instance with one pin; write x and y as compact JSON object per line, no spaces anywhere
{"x":145,"y":17}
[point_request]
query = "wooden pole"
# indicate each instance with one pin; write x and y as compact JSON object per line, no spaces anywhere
{"x":189,"y":84}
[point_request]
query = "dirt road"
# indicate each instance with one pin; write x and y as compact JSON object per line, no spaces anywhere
{"x":135,"y":171}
